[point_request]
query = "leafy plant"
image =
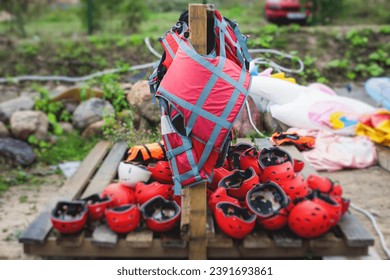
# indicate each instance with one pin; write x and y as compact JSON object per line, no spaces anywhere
{"x":52,"y":109}
{"x":356,"y":38}
{"x":44,"y":103}
{"x":69,"y":147}
{"x":112,"y":89}
{"x":16,"y":177}
{"x":121,"y":128}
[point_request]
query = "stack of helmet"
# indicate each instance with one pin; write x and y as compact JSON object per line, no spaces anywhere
{"x":143,"y":194}
{"x":266,"y":186}
{"x":252,"y":187}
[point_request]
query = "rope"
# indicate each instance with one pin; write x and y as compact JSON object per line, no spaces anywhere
{"x":151,"y":49}
{"x":376,"y":227}
{"x":72,"y":79}
{"x":251,"y":121}
{"x":279,"y":68}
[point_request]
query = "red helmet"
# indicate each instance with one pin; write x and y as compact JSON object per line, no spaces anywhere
{"x":249,"y":158}
{"x":298,"y":165}
{"x":144,"y":192}
{"x":124,"y":218}
{"x":219,"y":173}
{"x":332,"y":206}
{"x":233,"y":156}
{"x":119,"y":194}
{"x":308,"y":219}
{"x":220,"y":195}
{"x":343,"y":202}
{"x":160,"y":214}
{"x":239,"y":182}
{"x":69,"y":216}
{"x":295,"y":188}
{"x":276,"y":165}
{"x":270,"y":204}
{"x":176,"y":198}
{"x":96,"y":206}
{"x":324,"y":185}
{"x":234,"y":220}
{"x":161,"y":172}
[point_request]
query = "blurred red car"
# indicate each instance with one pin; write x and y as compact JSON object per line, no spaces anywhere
{"x":287,"y":11}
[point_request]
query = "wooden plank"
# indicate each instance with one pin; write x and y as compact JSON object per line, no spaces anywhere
{"x":71,"y":240}
{"x":286,"y":239}
{"x":220,"y":240}
{"x":383,"y":156}
{"x":276,"y":252}
{"x":197,"y":226}
{"x":356,"y":235}
{"x":88,"y":250}
{"x":172,"y":239}
{"x":210,"y":227}
{"x":185,"y":213}
{"x":326,"y":240}
{"x":38,"y":229}
{"x":107,"y":170}
{"x":197,"y":249}
{"x":140,"y":239}
{"x":197,"y":19}
{"x":103,"y":236}
{"x":257,"y":239}
{"x":372,"y":255}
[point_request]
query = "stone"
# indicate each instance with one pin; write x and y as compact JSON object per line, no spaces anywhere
{"x":149,"y":111}
{"x":140,"y":98}
{"x":272,"y":125}
{"x":138,"y":92}
{"x":243,"y":127}
{"x":93,"y":129}
{"x":126,"y":87}
{"x":66,"y":127}
{"x":91,"y":111}
{"x":8,"y":92}
{"x":26,"y":123}
{"x":3,"y":130}
{"x":70,"y":106}
{"x":11,"y":106}
{"x":74,"y":94}
{"x":16,"y":152}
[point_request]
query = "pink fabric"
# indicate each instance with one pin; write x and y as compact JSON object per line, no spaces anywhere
{"x":334,"y":152}
{"x":323,"y":88}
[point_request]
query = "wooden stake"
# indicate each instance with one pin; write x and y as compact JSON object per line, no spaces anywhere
{"x":197,"y":194}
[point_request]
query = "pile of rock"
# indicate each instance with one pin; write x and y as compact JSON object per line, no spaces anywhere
{"x":19,"y":120}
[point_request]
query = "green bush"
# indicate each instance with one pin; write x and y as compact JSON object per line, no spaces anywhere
{"x":131,"y":13}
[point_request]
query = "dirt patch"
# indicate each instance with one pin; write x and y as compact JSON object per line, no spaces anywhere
{"x":368,"y":189}
{"x":18,"y":207}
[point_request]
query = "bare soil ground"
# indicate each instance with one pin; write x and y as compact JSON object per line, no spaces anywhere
{"x":18,"y":207}
{"x":368,"y":189}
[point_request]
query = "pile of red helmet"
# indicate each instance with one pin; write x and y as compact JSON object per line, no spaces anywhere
{"x":266,"y":187}
{"x":143,"y":194}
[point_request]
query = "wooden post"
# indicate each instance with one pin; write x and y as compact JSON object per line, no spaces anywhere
{"x":198,"y":15}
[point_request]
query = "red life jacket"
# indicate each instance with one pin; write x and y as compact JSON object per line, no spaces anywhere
{"x":200,"y":99}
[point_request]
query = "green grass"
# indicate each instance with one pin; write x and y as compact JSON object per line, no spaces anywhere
{"x":69,"y":147}
{"x":16,"y":177}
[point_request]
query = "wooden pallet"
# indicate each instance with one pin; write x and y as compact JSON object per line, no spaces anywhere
{"x":197,"y":237}
{"x":348,"y":239}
